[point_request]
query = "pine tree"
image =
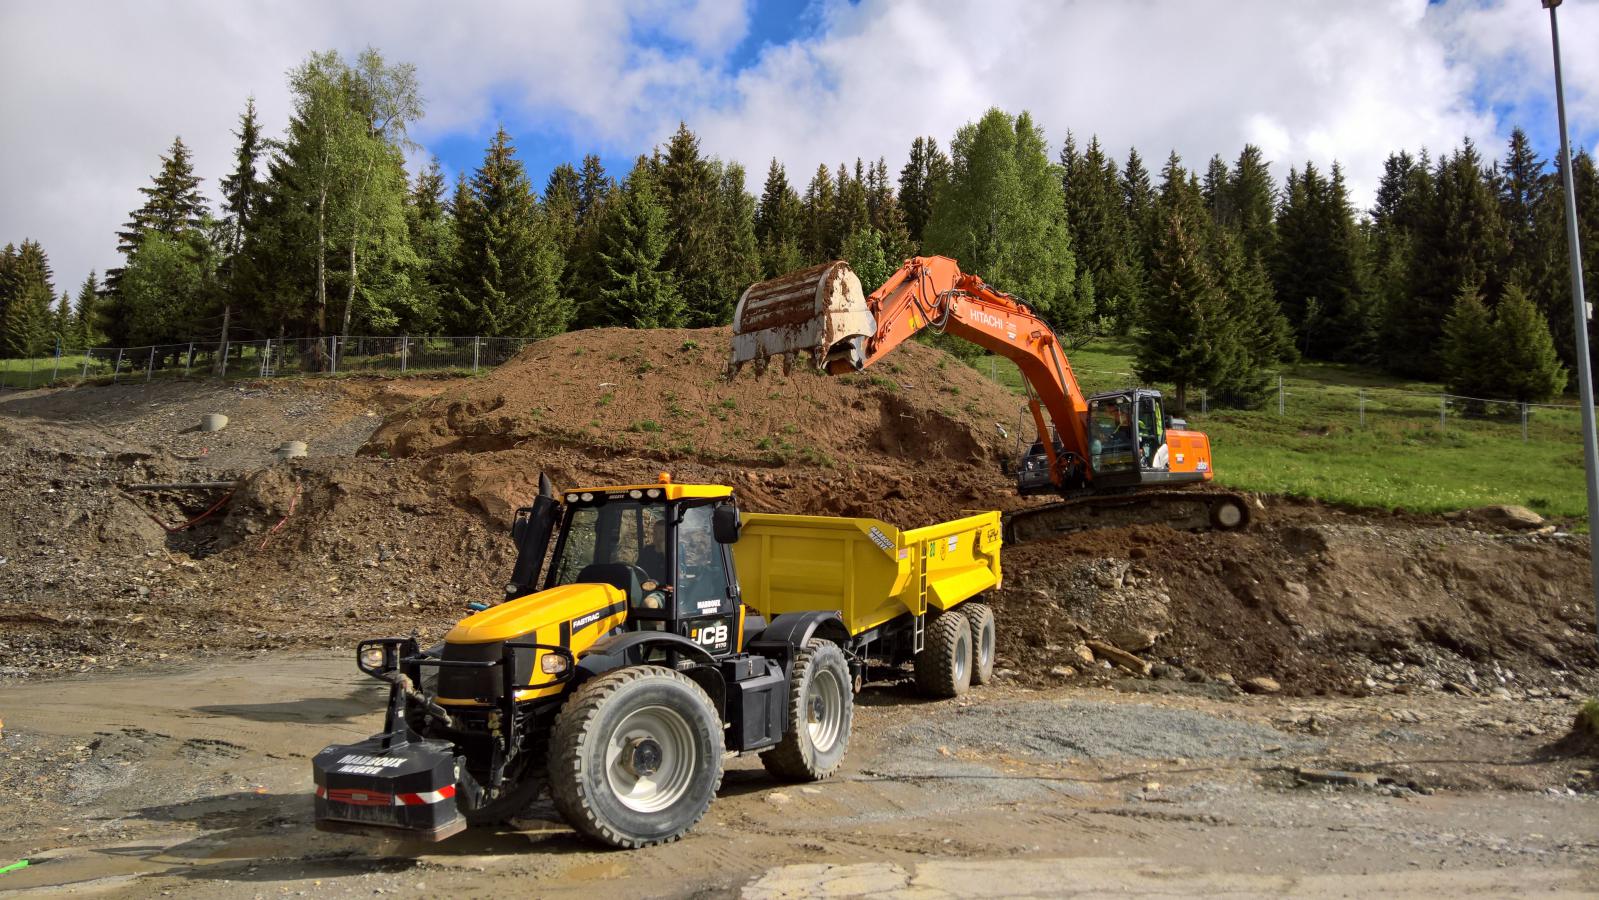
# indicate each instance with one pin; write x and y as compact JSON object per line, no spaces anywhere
{"x":27,"y":316}
{"x":853,"y":211}
{"x":593,"y":186}
{"x":1264,"y":336}
{"x":1003,"y":218}
{"x":1319,"y":255}
{"x":1551,"y":285}
{"x":923,"y":176}
{"x":1524,"y":363}
{"x":10,"y":283}
{"x":1217,"y":193}
{"x":1138,"y":201}
{"x":172,"y":205}
{"x":507,"y":275}
{"x":1467,"y":345}
{"x":1521,"y":182}
{"x":638,"y":289}
{"x":1186,"y":339}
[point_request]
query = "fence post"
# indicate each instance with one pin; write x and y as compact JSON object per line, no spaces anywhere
{"x":1204,"y":400}
{"x":405,"y":350}
{"x":1362,"y":407}
{"x":333,"y":354}
{"x":1443,"y":410}
{"x":474,"y":355}
{"x":1524,"y":423}
{"x":188,"y":360}
{"x":149,"y":367}
{"x":88,"y":352}
{"x":1279,"y":395}
{"x":56,"y":372}
{"x":118,"y":369}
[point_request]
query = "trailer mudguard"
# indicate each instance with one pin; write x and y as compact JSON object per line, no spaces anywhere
{"x":791,"y":631}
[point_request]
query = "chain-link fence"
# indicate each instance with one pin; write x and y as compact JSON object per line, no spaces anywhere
{"x":266,"y":358}
{"x":1309,"y":403}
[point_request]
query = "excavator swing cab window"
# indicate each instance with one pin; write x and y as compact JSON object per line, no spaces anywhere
{"x":1151,"y":433}
{"x":1111,"y":444}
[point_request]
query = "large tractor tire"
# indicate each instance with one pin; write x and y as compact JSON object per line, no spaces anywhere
{"x":636,"y":757}
{"x":821,"y":708}
{"x":944,"y":667}
{"x":981,"y":617}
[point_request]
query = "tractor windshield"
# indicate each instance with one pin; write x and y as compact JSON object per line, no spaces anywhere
{"x":622,"y":532}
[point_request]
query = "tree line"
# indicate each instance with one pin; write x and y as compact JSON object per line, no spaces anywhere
{"x":1218,"y":276}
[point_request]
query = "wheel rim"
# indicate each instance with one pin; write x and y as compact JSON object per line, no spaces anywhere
{"x":985,"y":651}
{"x":824,"y":710}
{"x":650,"y":759}
{"x":1228,"y":515}
{"x":961,"y":659}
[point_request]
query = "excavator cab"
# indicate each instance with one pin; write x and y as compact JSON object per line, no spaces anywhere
{"x":1129,"y":440}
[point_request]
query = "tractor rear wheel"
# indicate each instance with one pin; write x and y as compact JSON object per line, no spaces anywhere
{"x":636,"y":757}
{"x":821,"y":706}
{"x":981,"y":617}
{"x":944,"y":667}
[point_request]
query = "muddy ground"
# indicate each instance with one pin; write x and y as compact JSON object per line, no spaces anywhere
{"x":167,"y":661}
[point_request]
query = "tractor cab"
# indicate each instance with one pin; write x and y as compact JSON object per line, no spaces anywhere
{"x":664,"y":546}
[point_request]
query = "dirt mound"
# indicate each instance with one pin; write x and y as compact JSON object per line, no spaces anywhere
{"x":1318,"y":600}
{"x":662,"y":395}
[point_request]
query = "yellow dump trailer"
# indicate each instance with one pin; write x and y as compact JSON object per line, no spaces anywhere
{"x":887,"y":584}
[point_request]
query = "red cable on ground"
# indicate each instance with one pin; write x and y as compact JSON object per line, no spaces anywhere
{"x":170,"y":529}
{"x":293,"y":502}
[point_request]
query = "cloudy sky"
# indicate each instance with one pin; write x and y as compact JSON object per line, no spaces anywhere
{"x":93,"y":92}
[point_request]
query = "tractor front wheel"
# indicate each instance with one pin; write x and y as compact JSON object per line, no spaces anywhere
{"x":636,"y":757}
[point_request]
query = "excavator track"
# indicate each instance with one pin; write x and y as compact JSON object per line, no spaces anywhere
{"x":1181,"y":509}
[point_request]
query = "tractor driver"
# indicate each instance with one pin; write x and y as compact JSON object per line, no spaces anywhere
{"x":652,"y":553}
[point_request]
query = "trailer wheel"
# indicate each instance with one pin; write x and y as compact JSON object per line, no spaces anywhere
{"x":981,"y":617}
{"x":944,"y":667}
{"x":821,"y":707}
{"x":636,"y":757}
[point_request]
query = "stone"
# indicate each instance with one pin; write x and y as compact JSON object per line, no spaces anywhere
{"x":1063,"y":671}
{"x":777,"y":798}
{"x":1119,"y":656}
{"x":1084,"y":654}
{"x":1166,"y":672}
{"x":1508,"y":516}
{"x":1133,"y":640}
{"x":1262,"y":685}
{"x":1227,"y":679}
{"x":1455,"y":687}
{"x":1335,"y":777}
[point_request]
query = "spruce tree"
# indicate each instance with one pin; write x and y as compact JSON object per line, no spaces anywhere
{"x":853,"y":212}
{"x":433,"y":239}
{"x":1467,"y":345}
{"x":1521,"y":182}
{"x":10,"y":281}
{"x":86,"y":315}
{"x":25,"y":326}
{"x":1186,"y":338}
{"x":507,"y":277}
{"x":1101,"y":234}
{"x":1003,"y":218}
{"x":925,"y":173}
{"x":1461,"y":239}
{"x":1252,"y":204}
{"x":1524,"y":364}
{"x":1320,"y":256}
{"x":1215,"y":190}
{"x":172,"y":204}
{"x":593,"y":186}
{"x":688,"y":187}
{"x":778,"y":225}
{"x":241,"y":195}
{"x":637,"y":288}
{"x":818,"y":215}
{"x":1265,"y":339}
{"x":886,"y":215}
{"x":1138,"y":201}
{"x":738,"y":255}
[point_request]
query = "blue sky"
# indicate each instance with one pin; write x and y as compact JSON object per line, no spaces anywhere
{"x":95,"y":90}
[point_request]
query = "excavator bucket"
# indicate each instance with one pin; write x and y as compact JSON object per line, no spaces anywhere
{"x":820,"y":311}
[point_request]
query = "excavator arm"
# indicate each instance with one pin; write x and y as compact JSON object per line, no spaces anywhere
{"x":821,"y":312}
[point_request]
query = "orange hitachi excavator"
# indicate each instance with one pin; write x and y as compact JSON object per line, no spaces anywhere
{"x":1116,"y":458}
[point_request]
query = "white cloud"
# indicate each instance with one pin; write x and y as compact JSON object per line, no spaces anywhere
{"x":94,"y":92}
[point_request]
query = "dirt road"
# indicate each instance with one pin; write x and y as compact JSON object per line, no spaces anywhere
{"x":195,"y":780}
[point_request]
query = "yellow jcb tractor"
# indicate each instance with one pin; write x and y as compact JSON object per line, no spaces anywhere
{"x":669,"y":630}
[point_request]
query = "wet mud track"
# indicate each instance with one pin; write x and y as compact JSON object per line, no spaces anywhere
{"x":195,"y":781}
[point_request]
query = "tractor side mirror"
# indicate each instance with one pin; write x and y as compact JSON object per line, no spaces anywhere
{"x":725,"y":524}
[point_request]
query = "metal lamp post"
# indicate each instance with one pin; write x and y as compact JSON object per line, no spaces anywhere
{"x":1579,"y":305}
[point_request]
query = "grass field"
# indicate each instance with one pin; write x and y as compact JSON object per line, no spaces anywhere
{"x":1399,"y":458}
{"x":22,"y":373}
